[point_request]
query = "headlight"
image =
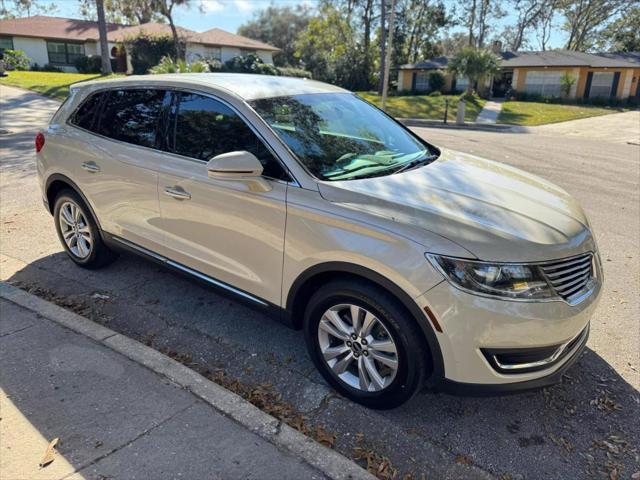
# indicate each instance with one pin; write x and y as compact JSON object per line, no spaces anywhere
{"x":508,"y":280}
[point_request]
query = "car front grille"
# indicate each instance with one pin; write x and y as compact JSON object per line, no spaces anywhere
{"x":570,"y":277}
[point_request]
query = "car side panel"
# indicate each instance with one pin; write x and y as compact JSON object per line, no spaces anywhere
{"x":319,"y":232}
{"x":123,"y":192}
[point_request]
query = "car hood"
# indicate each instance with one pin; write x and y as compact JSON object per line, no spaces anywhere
{"x":495,"y":211}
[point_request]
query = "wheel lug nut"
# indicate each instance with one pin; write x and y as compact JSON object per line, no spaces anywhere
{"x":356,"y":354}
{"x":354,"y":336}
{"x":365,"y":353}
{"x":363,"y":341}
{"x":348,"y":343}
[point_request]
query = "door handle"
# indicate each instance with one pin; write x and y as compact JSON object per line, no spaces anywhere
{"x":177,"y":193}
{"x":91,"y":167}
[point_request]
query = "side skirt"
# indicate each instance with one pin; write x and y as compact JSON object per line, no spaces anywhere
{"x":223,"y":288}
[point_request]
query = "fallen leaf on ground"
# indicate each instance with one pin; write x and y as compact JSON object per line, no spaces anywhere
{"x":50,"y":454}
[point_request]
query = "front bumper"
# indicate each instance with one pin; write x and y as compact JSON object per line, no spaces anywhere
{"x":476,"y":328}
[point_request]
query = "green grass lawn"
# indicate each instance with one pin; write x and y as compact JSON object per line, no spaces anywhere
{"x":539,"y":113}
{"x":51,"y":84}
{"x":426,"y":107}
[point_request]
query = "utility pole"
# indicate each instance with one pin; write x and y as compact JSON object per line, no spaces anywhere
{"x":387,"y":62}
{"x":383,"y":43}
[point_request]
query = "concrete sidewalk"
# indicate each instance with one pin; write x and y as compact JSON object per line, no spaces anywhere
{"x":114,"y":417}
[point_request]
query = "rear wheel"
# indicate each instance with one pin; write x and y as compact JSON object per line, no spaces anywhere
{"x":79,"y":233}
{"x":365,"y":344}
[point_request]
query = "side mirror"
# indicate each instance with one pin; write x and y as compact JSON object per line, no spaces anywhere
{"x":232,"y":165}
{"x":240,"y":166}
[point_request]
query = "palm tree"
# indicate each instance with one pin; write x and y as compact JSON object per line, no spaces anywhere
{"x":474,"y":64}
{"x":104,"y":46}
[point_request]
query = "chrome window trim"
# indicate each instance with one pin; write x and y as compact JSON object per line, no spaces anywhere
{"x":557,"y":298}
{"x":294,"y":182}
{"x":190,"y":271}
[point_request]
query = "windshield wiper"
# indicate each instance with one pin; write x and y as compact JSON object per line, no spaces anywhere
{"x":416,"y":163}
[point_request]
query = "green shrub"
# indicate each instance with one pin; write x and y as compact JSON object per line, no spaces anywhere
{"x":214,"y":65}
{"x":169,"y":65}
{"x":15,"y":60}
{"x":88,"y":64}
{"x":148,"y":50}
{"x":93,"y":64}
{"x":436,"y":80}
{"x":435,"y":93}
{"x":250,"y":63}
{"x":293,"y":72}
{"x":46,"y":68}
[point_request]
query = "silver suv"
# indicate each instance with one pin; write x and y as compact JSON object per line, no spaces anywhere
{"x":405,"y":264}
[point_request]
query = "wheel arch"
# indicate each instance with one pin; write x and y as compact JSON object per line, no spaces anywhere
{"x":307,"y":282}
{"x":58,"y":182}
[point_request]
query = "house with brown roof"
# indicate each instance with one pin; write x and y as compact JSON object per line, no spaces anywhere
{"x":597,"y":75}
{"x":60,"y":41}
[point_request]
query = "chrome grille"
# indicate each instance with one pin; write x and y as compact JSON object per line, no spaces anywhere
{"x":569,"y":277}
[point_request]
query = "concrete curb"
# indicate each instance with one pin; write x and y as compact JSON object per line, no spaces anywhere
{"x":329,"y":462}
{"x":497,"y":127}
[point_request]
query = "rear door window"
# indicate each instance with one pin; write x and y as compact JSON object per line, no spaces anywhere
{"x":132,"y":116}
{"x":204,"y":127}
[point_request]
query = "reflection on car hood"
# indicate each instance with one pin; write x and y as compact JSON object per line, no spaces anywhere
{"x":495,"y":211}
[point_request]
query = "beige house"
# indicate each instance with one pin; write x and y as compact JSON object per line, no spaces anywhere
{"x":597,"y":75}
{"x":60,"y":41}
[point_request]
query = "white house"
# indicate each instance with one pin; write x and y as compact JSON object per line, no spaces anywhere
{"x":60,"y":41}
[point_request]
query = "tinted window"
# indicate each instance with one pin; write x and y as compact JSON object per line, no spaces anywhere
{"x":205,"y":128}
{"x":132,"y":116}
{"x":86,"y":114}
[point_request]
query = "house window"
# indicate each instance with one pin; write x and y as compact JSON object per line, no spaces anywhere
{"x":6,"y":43}
{"x":245,"y":51}
{"x":462,"y":84}
{"x":545,"y":84}
{"x":601,"y":84}
{"x":62,"y":53}
{"x":422,"y":81}
{"x":214,"y":53}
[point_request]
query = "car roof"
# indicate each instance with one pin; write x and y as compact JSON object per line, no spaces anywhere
{"x":245,"y":86}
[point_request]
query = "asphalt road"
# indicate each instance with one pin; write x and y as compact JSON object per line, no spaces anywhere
{"x":587,"y":427}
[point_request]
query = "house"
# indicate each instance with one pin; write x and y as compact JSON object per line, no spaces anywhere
{"x":60,"y":41}
{"x":597,"y":75}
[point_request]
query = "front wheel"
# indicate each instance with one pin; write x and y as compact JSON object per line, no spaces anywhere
{"x":365,"y":344}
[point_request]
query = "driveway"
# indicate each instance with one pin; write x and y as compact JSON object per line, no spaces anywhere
{"x":617,"y":128}
{"x":586,"y":427}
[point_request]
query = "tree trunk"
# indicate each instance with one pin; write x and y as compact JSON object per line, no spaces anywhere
{"x":104,"y":45}
{"x":176,"y":40}
{"x":366,"y":64}
{"x":383,"y":43}
{"x":387,"y":62}
{"x":472,"y":21}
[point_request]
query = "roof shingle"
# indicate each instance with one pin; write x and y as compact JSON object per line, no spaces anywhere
{"x":84,"y":30}
{"x":549,"y":58}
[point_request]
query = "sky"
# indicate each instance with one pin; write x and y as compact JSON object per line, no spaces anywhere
{"x":230,"y":14}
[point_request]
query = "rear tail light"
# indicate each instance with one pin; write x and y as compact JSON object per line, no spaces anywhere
{"x":39,"y":141}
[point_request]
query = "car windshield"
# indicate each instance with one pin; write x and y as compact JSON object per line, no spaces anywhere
{"x":339,"y":136}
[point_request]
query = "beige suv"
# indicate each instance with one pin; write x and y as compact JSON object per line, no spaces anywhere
{"x":405,"y":264}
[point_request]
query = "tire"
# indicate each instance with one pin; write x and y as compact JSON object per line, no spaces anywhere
{"x":87,"y":249}
{"x":411,"y":351}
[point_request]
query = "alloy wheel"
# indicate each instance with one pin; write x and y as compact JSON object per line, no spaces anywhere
{"x":75,"y":230}
{"x":357,"y":347}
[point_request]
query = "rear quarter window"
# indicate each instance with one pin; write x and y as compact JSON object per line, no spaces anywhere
{"x":85,"y":115}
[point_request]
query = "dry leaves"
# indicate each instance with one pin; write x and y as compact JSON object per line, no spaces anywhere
{"x":377,"y":464}
{"x":50,"y":453}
